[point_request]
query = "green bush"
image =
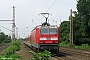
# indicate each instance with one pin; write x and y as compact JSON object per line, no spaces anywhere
{"x":17,"y":45}
{"x":10,"y":50}
{"x":15,"y":56}
{"x":7,"y":41}
{"x":4,"y":38}
{"x":41,"y":56}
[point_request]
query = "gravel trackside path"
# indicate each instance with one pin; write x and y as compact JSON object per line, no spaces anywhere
{"x":3,"y":47}
{"x":24,"y":52}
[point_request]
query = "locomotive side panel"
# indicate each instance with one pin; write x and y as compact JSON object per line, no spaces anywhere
{"x":38,"y":35}
{"x":33,"y":38}
{"x":35,"y":35}
{"x":58,"y":34}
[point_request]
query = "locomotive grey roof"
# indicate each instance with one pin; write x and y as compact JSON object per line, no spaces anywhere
{"x":43,"y":26}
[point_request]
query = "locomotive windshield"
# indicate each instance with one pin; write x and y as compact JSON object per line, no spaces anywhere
{"x":53,"y":31}
{"x":44,"y":30}
{"x":48,"y":31}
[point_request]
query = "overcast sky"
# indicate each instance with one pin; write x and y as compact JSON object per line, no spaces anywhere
{"x":28,"y":10}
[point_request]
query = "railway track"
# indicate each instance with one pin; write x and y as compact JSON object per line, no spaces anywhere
{"x":75,"y":54}
{"x":64,"y":56}
{"x":70,"y":54}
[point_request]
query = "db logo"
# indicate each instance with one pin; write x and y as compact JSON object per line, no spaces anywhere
{"x":48,"y":38}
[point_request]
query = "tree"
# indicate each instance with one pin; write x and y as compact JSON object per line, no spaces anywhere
{"x":81,"y":22}
{"x":4,"y":38}
{"x":7,"y":39}
{"x":83,"y":8}
{"x":65,"y":30}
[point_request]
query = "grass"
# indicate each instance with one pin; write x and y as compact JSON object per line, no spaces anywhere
{"x":83,"y":46}
{"x":10,"y":52}
{"x":64,"y":44}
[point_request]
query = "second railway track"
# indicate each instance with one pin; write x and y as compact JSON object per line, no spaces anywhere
{"x":78,"y":54}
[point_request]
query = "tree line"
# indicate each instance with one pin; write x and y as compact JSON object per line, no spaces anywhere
{"x":81,"y":24}
{"x":4,"y":38}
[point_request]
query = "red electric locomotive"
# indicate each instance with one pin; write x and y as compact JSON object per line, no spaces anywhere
{"x":45,"y":37}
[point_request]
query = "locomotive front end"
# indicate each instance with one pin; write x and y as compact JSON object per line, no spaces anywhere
{"x":49,"y":38}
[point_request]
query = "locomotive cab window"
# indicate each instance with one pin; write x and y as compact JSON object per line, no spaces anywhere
{"x":44,"y":30}
{"x":53,"y":31}
{"x":48,"y":31}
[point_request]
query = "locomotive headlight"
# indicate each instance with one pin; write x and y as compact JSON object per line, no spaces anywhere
{"x":43,"y":38}
{"x":53,"y":38}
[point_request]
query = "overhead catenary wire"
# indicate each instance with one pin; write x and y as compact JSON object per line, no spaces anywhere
{"x":45,"y":4}
{"x":5,"y":28}
{"x":43,"y":9}
{"x":51,"y":5}
{"x":24,"y":11}
{"x":27,"y":14}
{"x":5,"y":11}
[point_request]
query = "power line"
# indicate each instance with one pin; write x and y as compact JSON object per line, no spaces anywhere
{"x":24,"y":11}
{"x":5,"y":11}
{"x":45,"y":4}
{"x":52,"y":5}
{"x":5,"y":28}
{"x":64,"y":13}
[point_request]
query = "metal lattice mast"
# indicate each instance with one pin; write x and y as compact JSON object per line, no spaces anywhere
{"x":13,"y":26}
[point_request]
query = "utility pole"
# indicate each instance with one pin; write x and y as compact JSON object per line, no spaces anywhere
{"x":56,"y":22}
{"x":71,"y":27}
{"x":13,"y":26}
{"x":60,"y":20}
